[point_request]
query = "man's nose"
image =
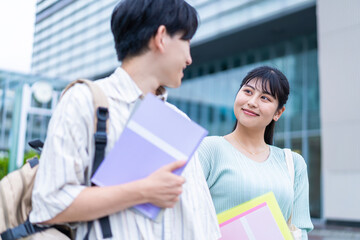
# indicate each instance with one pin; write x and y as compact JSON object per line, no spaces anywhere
{"x":188,"y":60}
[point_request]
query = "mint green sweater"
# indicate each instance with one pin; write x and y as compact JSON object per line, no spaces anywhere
{"x":233,"y":178}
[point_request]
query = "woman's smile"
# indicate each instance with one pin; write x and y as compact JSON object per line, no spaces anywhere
{"x":249,"y":112}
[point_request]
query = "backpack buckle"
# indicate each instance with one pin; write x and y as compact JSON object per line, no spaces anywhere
{"x":100,"y":138}
{"x":102,"y":113}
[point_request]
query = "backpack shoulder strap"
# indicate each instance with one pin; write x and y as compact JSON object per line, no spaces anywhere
{"x":99,"y":98}
{"x":23,"y":230}
{"x":101,"y":122}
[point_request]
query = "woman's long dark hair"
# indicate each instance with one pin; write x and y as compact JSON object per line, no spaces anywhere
{"x":279,"y":88}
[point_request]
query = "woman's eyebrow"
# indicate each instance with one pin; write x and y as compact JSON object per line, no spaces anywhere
{"x":247,"y":85}
{"x":264,"y":91}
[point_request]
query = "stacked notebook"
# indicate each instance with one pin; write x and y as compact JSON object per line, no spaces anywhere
{"x":257,"y":219}
{"x":155,"y":135}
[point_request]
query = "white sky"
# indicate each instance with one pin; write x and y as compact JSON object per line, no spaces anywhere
{"x":17,"y":19}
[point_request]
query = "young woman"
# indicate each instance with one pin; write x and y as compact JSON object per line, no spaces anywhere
{"x":243,"y":164}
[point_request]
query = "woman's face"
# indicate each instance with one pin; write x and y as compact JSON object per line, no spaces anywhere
{"x":255,"y":107}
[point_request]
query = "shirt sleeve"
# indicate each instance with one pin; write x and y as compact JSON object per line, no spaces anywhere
{"x":301,"y":212}
{"x":66,"y":155}
{"x":206,"y":217}
{"x":205,"y":156}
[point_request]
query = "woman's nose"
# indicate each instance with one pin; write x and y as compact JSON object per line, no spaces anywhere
{"x":253,"y":101}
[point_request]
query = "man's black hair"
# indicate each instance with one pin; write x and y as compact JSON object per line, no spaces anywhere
{"x":134,"y":22}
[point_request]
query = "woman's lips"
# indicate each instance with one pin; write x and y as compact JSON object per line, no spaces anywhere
{"x":249,"y":112}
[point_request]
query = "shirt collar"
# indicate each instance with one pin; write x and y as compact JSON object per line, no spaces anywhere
{"x":126,"y":87}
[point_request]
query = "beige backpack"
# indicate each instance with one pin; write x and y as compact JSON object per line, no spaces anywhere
{"x":16,"y":188}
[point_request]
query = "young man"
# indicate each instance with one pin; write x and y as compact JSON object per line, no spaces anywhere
{"x":152,"y":41}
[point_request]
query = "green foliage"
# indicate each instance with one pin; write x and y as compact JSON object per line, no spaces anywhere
{"x":4,"y":163}
{"x":30,"y":154}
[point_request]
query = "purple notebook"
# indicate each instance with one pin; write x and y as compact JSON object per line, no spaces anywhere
{"x":154,"y":136}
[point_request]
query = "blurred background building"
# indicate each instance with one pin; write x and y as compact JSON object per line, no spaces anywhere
{"x":315,"y":43}
{"x":73,"y":39}
{"x":26,"y":104}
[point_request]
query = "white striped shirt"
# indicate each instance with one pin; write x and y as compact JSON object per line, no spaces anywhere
{"x":67,"y":156}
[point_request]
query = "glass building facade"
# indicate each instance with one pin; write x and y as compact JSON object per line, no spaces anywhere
{"x":208,"y":98}
{"x":73,"y":39}
{"x":22,"y":116}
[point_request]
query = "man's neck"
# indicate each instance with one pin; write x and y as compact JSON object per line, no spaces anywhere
{"x":141,"y":72}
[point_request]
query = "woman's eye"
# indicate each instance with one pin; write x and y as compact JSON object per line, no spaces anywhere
{"x":265,"y":98}
{"x":247,"y":91}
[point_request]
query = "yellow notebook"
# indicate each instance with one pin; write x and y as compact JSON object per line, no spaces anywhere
{"x":257,"y":219}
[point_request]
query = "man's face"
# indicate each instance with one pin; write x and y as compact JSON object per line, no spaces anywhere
{"x":174,"y":60}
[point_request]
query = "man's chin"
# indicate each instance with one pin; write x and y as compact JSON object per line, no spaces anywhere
{"x":175,"y":85}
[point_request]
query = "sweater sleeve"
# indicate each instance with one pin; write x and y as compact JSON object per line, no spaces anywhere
{"x":301,"y":212}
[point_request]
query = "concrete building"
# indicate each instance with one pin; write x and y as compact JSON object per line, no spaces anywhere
{"x":73,"y":38}
{"x":339,"y":51}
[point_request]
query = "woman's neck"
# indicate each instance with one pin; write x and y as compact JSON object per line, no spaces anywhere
{"x":249,"y":137}
{"x":250,"y":142}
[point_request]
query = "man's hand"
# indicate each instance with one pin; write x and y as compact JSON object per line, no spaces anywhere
{"x":162,"y":188}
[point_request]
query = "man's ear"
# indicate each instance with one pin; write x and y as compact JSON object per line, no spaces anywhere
{"x":278,"y":114}
{"x":157,"y":42}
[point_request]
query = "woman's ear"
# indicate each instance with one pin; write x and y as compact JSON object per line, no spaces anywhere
{"x":157,"y":42}
{"x":278,"y":114}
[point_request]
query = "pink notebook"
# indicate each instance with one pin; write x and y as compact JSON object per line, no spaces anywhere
{"x":154,"y":136}
{"x":257,"y":219}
